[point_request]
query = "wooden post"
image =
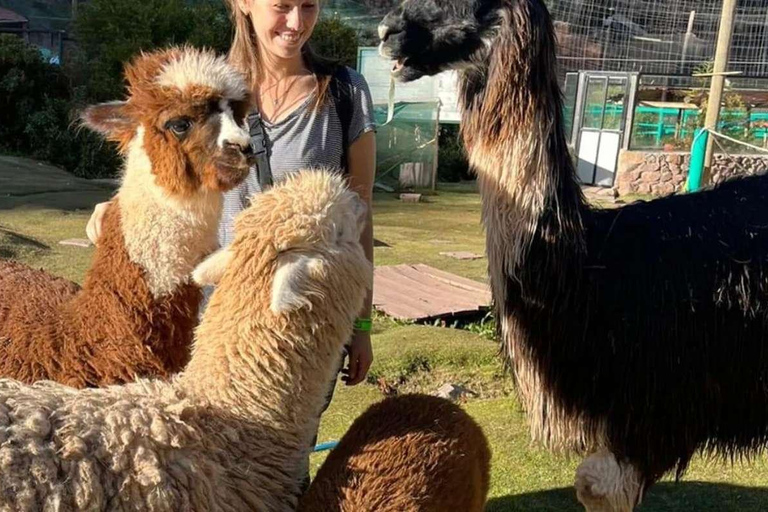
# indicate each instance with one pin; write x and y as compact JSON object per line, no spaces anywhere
{"x":437,"y":146}
{"x":718,"y":79}
{"x":74,"y":9}
{"x":687,"y":40}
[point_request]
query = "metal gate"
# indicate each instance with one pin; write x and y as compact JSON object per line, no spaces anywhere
{"x":604,"y":106}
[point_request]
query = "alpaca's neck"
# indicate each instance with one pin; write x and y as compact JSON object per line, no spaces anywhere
{"x":513,"y":130}
{"x":165,"y":236}
{"x":275,"y":373}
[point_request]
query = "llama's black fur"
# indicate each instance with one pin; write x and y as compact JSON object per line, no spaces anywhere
{"x":646,"y":322}
{"x":662,"y":330}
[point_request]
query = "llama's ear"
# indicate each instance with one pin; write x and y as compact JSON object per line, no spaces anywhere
{"x":293,"y":284}
{"x":110,"y":119}
{"x":211,"y":269}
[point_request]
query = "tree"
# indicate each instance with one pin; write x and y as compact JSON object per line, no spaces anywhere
{"x":111,"y":32}
{"x":333,"y":39}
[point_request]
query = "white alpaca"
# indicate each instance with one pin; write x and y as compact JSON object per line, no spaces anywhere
{"x":231,"y":432}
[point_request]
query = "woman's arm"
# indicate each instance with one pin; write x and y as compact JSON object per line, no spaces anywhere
{"x":361,"y":161}
{"x":93,"y":228}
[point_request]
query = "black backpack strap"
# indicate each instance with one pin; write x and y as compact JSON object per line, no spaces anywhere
{"x":341,"y":90}
{"x":259,"y":147}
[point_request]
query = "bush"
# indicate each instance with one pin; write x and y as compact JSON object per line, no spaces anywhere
{"x":452,"y":164}
{"x":36,"y":114}
{"x":25,"y":81}
{"x":55,"y":136}
{"x":111,"y":32}
{"x":333,"y":39}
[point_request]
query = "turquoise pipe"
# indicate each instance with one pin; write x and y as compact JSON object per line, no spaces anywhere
{"x":698,"y":149}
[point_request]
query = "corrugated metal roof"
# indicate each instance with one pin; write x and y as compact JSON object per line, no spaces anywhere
{"x":8,"y":16}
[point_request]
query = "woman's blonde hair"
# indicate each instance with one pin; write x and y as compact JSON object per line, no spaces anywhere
{"x":245,"y":57}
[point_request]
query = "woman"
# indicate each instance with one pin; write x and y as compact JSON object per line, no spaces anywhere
{"x":301,"y":122}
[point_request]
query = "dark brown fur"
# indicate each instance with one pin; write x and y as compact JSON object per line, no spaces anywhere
{"x":407,"y":453}
{"x":110,"y":332}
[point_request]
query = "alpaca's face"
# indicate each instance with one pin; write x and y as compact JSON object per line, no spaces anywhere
{"x":425,"y":37}
{"x":192,"y":107}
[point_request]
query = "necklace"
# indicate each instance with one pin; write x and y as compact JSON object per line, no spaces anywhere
{"x":277,"y":97}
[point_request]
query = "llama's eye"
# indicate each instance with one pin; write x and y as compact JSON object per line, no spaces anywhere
{"x":179,"y":126}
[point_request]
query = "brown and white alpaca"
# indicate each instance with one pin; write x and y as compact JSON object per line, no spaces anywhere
{"x":638,"y":334}
{"x":137,"y":309}
{"x":412,"y":452}
{"x":232,"y":431}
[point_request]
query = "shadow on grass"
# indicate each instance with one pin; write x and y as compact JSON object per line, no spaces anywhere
{"x":666,"y":497}
{"x":66,"y":200}
{"x":10,"y":242}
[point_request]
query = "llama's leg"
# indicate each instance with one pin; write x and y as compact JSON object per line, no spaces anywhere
{"x":605,"y":485}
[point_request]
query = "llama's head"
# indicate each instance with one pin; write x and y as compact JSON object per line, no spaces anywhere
{"x":425,"y":37}
{"x":185,"y":112}
{"x":297,"y":248}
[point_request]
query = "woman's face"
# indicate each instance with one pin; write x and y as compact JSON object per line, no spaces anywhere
{"x":282,"y":26}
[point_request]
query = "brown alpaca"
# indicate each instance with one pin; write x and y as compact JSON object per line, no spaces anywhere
{"x":412,"y":452}
{"x":137,"y":309}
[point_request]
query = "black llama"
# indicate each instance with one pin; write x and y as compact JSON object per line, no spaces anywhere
{"x":636,"y":335}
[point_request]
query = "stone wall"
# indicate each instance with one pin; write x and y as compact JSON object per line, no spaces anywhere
{"x":662,"y":173}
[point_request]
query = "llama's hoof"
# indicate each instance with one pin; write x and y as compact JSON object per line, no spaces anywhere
{"x":605,"y":485}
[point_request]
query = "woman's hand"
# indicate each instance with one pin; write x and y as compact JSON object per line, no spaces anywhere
{"x":93,"y":228}
{"x":359,"y":358}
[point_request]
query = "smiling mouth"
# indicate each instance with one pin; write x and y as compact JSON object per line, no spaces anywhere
{"x":289,"y":38}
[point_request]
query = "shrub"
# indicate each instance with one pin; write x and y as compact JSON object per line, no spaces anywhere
{"x":37,"y":114}
{"x":333,"y":39}
{"x":111,"y":32}
{"x":55,"y":136}
{"x":25,"y":81}
{"x":452,"y":164}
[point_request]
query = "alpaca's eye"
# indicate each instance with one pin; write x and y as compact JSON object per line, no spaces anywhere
{"x":179,"y":126}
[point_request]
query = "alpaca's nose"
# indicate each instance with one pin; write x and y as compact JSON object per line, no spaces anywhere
{"x":245,"y":149}
{"x":238,"y":145}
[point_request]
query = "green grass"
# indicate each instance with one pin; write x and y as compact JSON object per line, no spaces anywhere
{"x":416,"y":357}
{"x":32,"y":236}
{"x":419,"y":232}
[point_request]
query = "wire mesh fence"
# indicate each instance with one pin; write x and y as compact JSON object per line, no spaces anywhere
{"x":657,"y":36}
{"x":670,"y":37}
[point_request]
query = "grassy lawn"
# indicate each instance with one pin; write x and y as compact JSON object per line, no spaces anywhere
{"x":414,"y":357}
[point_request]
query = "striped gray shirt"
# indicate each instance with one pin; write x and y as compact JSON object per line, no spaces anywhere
{"x":306,"y":138}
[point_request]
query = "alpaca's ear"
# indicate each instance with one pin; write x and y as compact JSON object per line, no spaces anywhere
{"x":110,"y":119}
{"x":210,"y":271}
{"x":293,"y":285}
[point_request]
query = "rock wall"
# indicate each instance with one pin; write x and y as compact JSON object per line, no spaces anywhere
{"x":662,"y":173}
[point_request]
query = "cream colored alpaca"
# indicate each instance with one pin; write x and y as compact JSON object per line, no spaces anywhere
{"x":232,"y":432}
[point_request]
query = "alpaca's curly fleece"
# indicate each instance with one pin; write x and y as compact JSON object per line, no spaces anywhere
{"x":413,"y":452}
{"x":110,"y":332}
{"x":233,"y":431}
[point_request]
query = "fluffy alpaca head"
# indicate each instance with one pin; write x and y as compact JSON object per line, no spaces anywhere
{"x":188,"y":106}
{"x":605,"y":485}
{"x":304,"y":235}
{"x":425,"y":37}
